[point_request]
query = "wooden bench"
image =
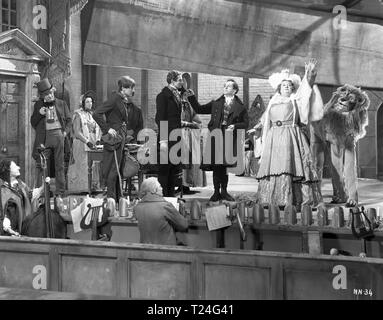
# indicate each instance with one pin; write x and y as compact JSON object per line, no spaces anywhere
{"x":141,"y":271}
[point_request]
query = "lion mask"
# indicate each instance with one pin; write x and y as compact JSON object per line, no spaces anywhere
{"x":345,"y":115}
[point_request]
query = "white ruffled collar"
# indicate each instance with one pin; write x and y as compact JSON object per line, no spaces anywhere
{"x":229,"y":100}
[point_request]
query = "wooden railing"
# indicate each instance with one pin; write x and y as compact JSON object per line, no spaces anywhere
{"x":280,"y":238}
{"x":166,"y":272}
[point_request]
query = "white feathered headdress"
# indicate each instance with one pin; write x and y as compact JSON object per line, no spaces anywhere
{"x":276,"y":79}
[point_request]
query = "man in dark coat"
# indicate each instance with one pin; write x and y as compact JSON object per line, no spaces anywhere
{"x":227,"y":113}
{"x":158,"y":220}
{"x":112,"y":117}
{"x":135,"y":125}
{"x":135,"y":121}
{"x":52,"y":122}
{"x":169,"y":108}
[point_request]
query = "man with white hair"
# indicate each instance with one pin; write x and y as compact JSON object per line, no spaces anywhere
{"x":158,"y":220}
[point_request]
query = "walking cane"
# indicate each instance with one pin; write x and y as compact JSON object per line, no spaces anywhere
{"x":48,"y":215}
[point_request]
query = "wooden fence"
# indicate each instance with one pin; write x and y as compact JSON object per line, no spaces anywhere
{"x":165,"y":272}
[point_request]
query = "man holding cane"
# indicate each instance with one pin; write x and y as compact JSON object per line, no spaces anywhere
{"x":113,"y":127}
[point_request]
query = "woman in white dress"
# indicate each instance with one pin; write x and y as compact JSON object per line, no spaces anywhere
{"x":286,"y":174}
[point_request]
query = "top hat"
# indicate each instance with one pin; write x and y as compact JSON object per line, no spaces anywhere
{"x":44,"y":87}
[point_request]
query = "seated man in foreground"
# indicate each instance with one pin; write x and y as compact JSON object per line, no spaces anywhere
{"x":158,"y":220}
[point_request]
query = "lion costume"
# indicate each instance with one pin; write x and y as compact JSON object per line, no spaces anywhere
{"x":343,"y":124}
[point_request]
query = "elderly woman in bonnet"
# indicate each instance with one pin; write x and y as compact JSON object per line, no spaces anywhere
{"x":87,"y":134}
{"x":286,"y":174}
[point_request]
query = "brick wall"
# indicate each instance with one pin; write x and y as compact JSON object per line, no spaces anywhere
{"x":262,"y":87}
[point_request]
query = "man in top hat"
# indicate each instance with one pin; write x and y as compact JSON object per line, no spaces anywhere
{"x":52,"y":121}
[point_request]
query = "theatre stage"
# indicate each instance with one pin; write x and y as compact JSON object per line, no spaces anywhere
{"x":370,"y":190}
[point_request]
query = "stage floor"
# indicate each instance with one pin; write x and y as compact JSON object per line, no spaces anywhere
{"x":370,"y":190}
{"x":244,"y":188}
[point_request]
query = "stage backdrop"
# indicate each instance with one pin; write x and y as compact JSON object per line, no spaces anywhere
{"x":231,"y":38}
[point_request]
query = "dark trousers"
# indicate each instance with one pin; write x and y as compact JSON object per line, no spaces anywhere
{"x":109,"y":172}
{"x":54,"y":143}
{"x":167,"y":177}
{"x":220,"y":177}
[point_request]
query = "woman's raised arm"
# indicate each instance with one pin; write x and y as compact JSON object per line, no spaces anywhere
{"x":311,"y":71}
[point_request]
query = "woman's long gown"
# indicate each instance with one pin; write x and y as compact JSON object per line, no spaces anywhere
{"x":286,"y":173}
{"x":193,"y":176}
{"x":84,"y":128}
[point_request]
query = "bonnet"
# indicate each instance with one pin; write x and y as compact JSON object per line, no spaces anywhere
{"x":276,"y":79}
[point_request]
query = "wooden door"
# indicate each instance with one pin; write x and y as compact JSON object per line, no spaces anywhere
{"x":12,"y":128}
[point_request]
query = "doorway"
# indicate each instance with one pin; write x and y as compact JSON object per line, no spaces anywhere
{"x":12,"y":130}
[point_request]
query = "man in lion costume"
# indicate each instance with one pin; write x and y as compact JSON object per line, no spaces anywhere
{"x":343,"y":124}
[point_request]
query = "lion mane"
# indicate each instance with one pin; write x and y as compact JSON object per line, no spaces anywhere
{"x":345,"y":115}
